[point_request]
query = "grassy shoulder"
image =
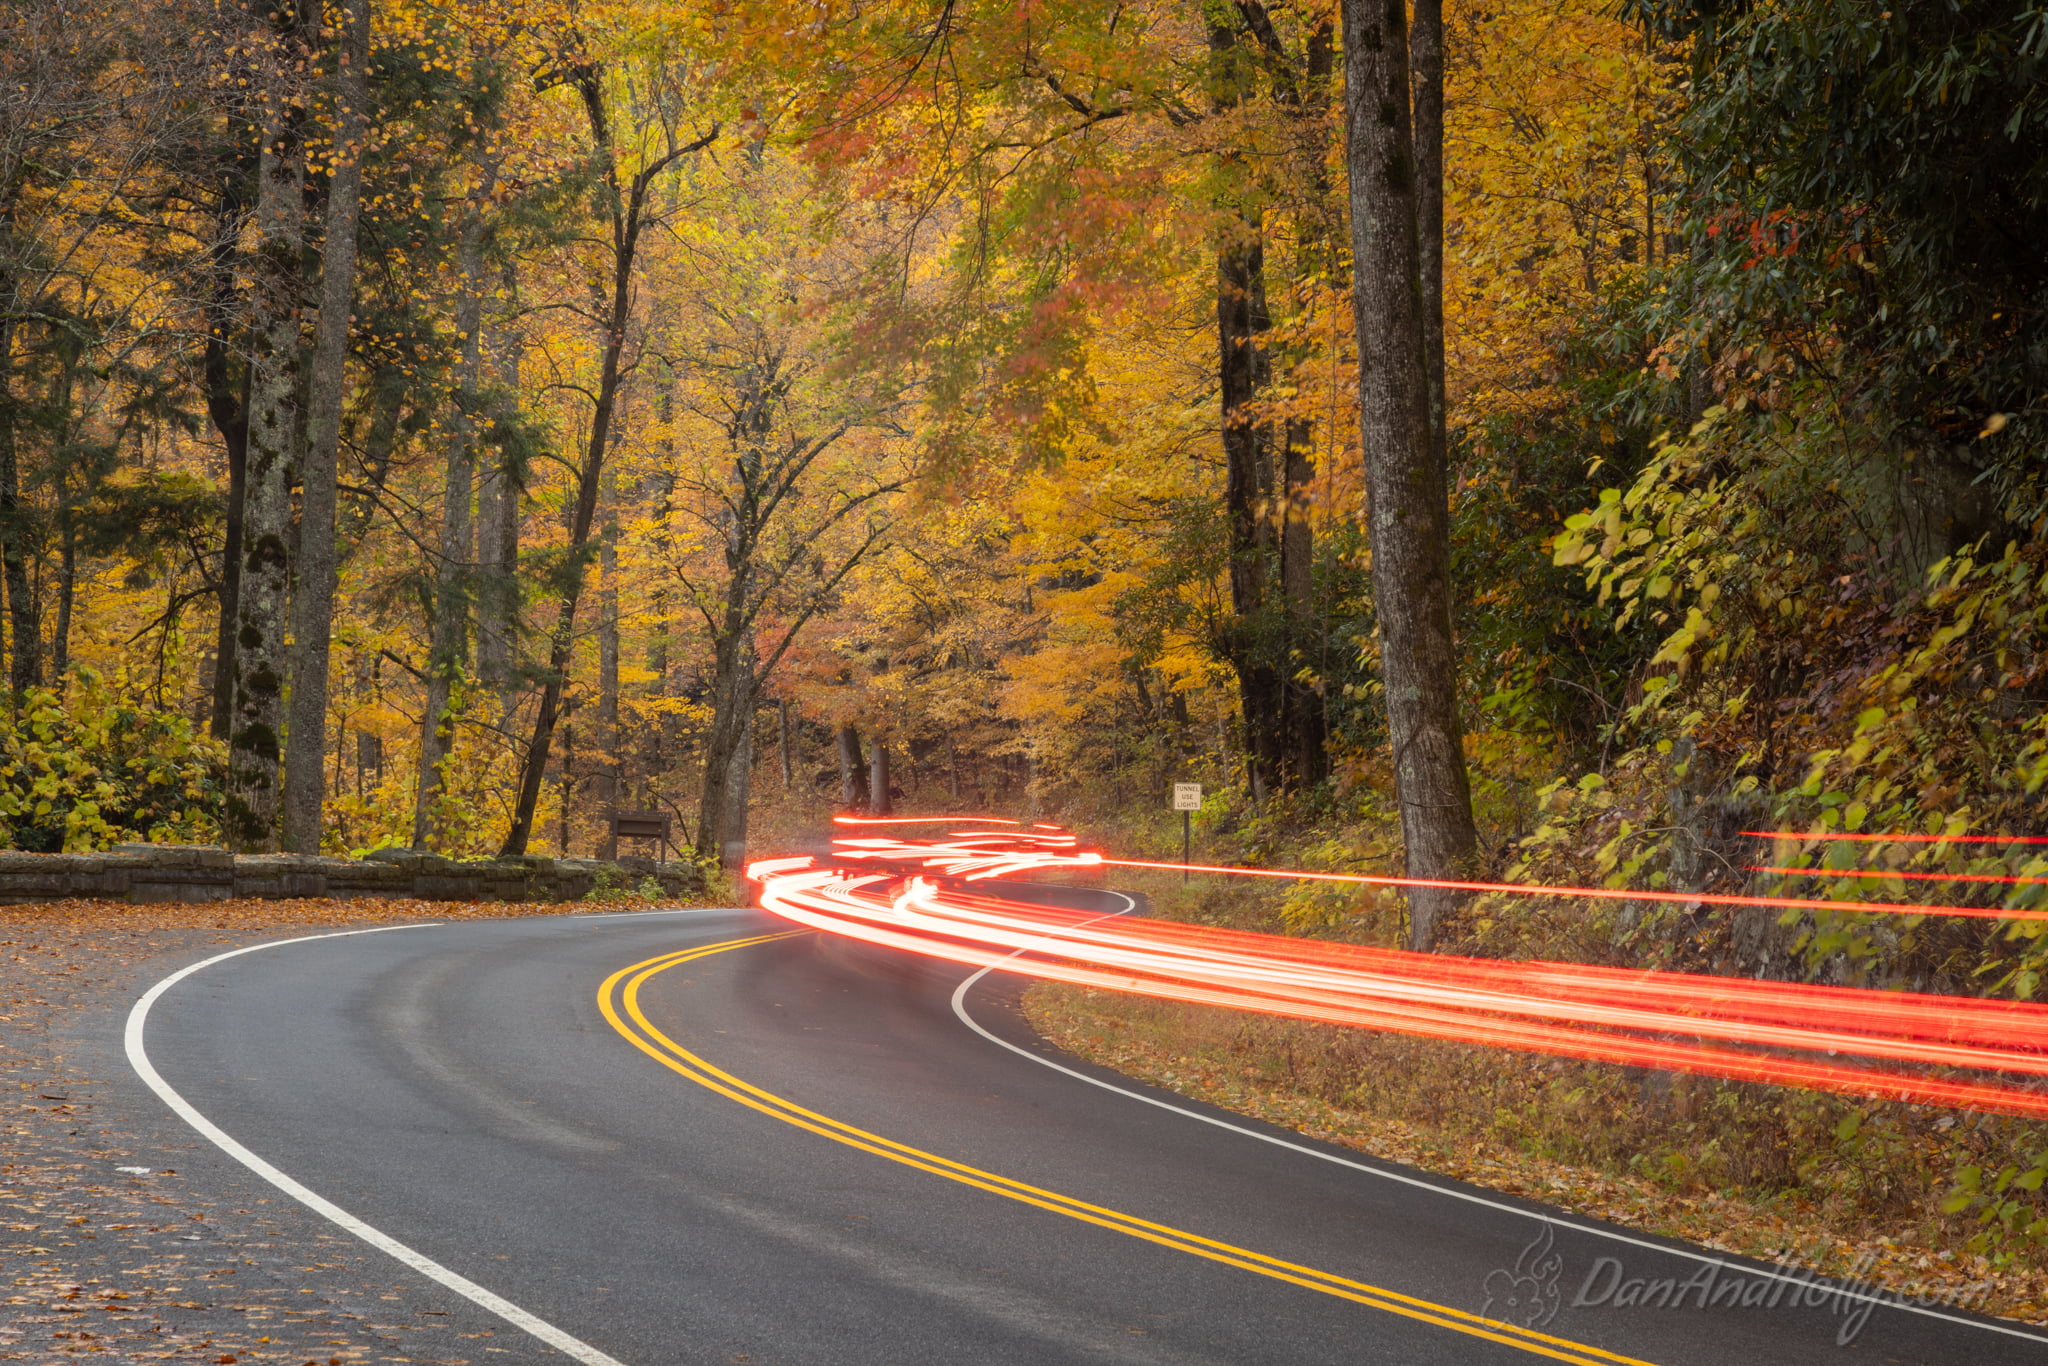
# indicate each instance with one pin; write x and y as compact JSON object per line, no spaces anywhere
{"x":1758,"y":1171}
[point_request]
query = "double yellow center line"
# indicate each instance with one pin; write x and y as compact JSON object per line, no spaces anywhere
{"x":619,"y":999}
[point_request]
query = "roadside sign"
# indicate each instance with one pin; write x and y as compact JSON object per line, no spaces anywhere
{"x":1187,"y":796}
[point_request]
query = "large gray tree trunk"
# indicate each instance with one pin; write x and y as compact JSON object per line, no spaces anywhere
{"x":497,"y":514}
{"x":729,"y":748}
{"x":611,"y":766}
{"x":881,"y":801}
{"x":1408,"y":513}
{"x":313,"y":600}
{"x":853,"y":775}
{"x":739,"y":790}
{"x":257,"y":714}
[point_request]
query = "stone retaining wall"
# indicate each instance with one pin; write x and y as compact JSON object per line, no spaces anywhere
{"x":193,"y":872}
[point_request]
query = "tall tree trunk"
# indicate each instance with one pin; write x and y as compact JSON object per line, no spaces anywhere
{"x":732,"y":846}
{"x":1306,"y":741}
{"x":227,"y":404}
{"x":1426,"y":81}
{"x":313,"y":602}
{"x":369,"y":746}
{"x":729,"y":748}
{"x":565,"y":786}
{"x":782,"y":742}
{"x":24,"y":613}
{"x":257,"y":714}
{"x":609,"y":768}
{"x":1306,"y":738}
{"x":1408,"y":511}
{"x":67,"y":593}
{"x":880,"y":798}
{"x":497,"y":503}
{"x":448,"y":649}
{"x":233,"y":425}
{"x":853,"y":776}
{"x":385,"y":391}
{"x":1244,"y":371}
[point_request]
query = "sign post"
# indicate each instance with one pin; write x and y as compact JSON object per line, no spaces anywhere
{"x":1187,"y":799}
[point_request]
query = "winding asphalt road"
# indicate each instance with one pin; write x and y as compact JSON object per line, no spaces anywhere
{"x":689,"y":1137}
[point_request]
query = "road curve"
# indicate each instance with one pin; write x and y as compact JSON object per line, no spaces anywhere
{"x":688,"y":1137}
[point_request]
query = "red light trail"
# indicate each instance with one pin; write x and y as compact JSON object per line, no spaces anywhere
{"x":922,"y":820}
{"x":932,"y":897}
{"x":1892,"y":839}
{"x":1779,"y":903}
{"x":1904,"y":876}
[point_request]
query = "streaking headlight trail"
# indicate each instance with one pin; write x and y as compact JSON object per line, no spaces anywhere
{"x":940,"y":896}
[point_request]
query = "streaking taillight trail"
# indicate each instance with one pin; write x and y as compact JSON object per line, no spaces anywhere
{"x":939,"y":896}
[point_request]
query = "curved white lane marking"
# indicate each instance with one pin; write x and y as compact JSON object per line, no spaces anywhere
{"x":1836,"y":1288}
{"x":138,"y":1058}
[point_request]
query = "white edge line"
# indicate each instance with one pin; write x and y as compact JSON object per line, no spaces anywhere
{"x":1845,"y":1291}
{"x":138,"y":1058}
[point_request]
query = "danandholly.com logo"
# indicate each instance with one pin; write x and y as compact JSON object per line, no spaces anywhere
{"x":1530,"y":1293}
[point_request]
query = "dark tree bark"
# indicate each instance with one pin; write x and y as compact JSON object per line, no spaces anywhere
{"x":784,"y":743}
{"x":1305,"y":723}
{"x":227,"y":394}
{"x":67,"y":594}
{"x":257,"y":716}
{"x":1426,"y":81}
{"x":313,"y":600}
{"x":497,"y":510}
{"x":385,"y":395}
{"x":1408,"y":510}
{"x":729,"y":747}
{"x":853,"y":771}
{"x":1244,"y":372}
{"x":24,"y":614}
{"x":609,"y":767}
{"x":565,"y":790}
{"x":881,"y":801}
{"x":1272,"y":642}
{"x":739,"y":787}
{"x":227,"y":403}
